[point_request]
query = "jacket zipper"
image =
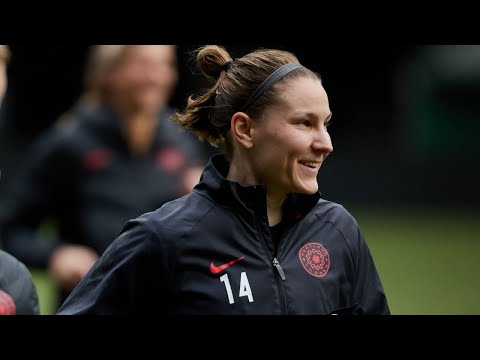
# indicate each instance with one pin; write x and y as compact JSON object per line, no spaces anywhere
{"x":278,"y":267}
{"x":281,"y":273}
{"x":281,"y":286}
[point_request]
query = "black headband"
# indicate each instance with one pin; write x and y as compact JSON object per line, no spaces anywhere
{"x":268,"y":82}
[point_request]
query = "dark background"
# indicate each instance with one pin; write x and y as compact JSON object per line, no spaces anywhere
{"x":386,"y":146}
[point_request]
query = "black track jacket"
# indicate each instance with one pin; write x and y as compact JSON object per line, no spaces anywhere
{"x":209,"y":253}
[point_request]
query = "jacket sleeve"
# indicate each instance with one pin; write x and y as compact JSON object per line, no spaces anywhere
{"x":40,"y":193}
{"x":127,"y":279}
{"x":369,"y":294}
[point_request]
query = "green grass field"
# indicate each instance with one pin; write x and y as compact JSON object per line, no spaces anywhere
{"x":428,"y":260}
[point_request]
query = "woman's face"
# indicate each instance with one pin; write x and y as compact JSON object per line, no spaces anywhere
{"x":145,"y":77}
{"x":291,"y":140}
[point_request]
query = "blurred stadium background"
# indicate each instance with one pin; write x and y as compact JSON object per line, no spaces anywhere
{"x":406,"y":158}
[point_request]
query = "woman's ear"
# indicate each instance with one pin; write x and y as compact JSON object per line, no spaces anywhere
{"x":241,"y":128}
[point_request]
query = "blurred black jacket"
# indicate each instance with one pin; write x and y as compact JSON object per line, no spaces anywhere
{"x":82,"y":179}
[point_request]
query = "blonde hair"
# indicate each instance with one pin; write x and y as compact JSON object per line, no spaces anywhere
{"x":101,"y":60}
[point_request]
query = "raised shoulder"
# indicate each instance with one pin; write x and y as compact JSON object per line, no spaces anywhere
{"x":176,"y":218}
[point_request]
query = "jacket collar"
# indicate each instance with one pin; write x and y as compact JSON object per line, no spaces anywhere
{"x":248,"y":200}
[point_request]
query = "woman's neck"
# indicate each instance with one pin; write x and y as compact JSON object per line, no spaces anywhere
{"x":274,"y":208}
{"x":139,"y":132}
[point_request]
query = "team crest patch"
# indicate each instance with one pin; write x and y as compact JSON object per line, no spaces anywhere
{"x":7,"y":305}
{"x":315,"y":259}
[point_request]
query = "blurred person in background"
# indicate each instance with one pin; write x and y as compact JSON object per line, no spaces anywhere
{"x":114,"y":156}
{"x":4,"y":57}
{"x":18,"y":293}
{"x":254,"y":237}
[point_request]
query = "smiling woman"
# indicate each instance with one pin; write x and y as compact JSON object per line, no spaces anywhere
{"x":254,"y":236}
{"x":287,"y":147}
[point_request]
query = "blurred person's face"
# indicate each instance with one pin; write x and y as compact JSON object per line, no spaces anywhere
{"x":145,"y":77}
{"x":291,"y":140}
{"x":3,"y":80}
